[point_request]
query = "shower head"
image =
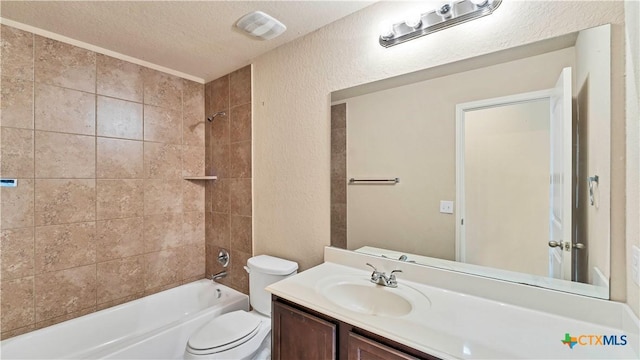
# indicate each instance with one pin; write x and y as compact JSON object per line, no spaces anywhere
{"x":219,"y":113}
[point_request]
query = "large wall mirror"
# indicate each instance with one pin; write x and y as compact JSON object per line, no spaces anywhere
{"x":497,"y":166}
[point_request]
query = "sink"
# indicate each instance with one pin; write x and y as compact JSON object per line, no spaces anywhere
{"x":359,"y":295}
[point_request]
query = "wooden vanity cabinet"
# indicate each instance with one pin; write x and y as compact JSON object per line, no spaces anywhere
{"x":301,"y":333}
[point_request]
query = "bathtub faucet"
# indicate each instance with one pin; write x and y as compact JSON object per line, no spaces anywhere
{"x":219,"y":275}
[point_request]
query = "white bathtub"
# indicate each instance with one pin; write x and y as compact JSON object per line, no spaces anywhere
{"x":154,"y":327}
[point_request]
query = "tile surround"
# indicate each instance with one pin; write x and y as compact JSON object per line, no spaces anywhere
{"x":228,"y":155}
{"x":339,"y":175}
{"x":99,"y":147}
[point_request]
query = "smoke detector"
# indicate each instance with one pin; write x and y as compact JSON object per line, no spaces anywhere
{"x":261,"y":25}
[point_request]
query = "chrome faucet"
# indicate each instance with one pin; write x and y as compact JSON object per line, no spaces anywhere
{"x":380,"y":278}
{"x":218,"y":276}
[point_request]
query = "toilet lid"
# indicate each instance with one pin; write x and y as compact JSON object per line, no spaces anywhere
{"x":225,"y":330}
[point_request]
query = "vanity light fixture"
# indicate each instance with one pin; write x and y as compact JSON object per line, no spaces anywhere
{"x":447,"y":14}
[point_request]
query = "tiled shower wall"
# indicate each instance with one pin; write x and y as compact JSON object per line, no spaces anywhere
{"x":339,"y":175}
{"x":228,"y":199}
{"x":101,"y":214}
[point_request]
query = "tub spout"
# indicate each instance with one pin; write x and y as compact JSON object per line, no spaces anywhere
{"x":219,"y":275}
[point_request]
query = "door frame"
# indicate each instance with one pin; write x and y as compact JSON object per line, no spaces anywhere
{"x":460,"y":249}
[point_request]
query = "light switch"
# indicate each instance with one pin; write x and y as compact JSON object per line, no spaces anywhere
{"x":446,"y":207}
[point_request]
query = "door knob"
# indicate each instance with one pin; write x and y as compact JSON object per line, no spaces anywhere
{"x":559,"y":244}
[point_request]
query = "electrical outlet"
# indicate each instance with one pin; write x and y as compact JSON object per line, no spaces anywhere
{"x":635,"y":264}
{"x":446,"y":207}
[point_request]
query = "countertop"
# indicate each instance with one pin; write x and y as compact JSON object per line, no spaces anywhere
{"x":454,"y":325}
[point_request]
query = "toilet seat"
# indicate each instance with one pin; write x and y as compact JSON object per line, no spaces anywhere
{"x":229,"y":332}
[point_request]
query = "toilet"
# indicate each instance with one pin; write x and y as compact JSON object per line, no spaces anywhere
{"x":243,"y":335}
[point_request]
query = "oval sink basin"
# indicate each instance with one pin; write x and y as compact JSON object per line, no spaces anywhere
{"x":368,"y":299}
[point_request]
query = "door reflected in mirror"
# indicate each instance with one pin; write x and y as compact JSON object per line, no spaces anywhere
{"x":510,"y":138}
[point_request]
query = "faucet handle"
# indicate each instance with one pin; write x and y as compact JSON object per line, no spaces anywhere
{"x":392,"y":275}
{"x":373,"y":267}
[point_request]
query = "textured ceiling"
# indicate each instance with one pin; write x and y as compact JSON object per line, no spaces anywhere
{"x":192,"y":37}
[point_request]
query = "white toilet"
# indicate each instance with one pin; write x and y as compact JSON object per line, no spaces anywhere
{"x":240,"y":334}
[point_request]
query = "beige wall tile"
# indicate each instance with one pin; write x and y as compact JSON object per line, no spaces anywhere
{"x":339,"y":141}
{"x":240,"y":123}
{"x":18,"y":205}
{"x":193,"y":260}
{"x":162,"y":268}
{"x":118,"y":199}
{"x":17,"y":53}
{"x":220,"y":94}
{"x":16,"y":332}
{"x":64,"y":65}
{"x":240,"y":196}
{"x":219,"y":130}
{"x":162,"y":196}
{"x":162,"y":125}
{"x":339,"y":216}
{"x":240,"y":160}
{"x":119,"y":119}
{"x":220,"y":195}
{"x":120,"y":278}
{"x":118,"y":78}
{"x":162,"y":161}
{"x":162,"y":232}
{"x":64,"y":110}
{"x":338,"y":237}
{"x":220,"y":155}
{"x":193,"y":228}
{"x":63,"y":201}
{"x":192,"y":160}
{"x":162,"y":89}
{"x":64,"y":292}
{"x":193,"y":114}
{"x":240,"y":86}
{"x":339,"y":116}
{"x":119,"y":238}
{"x":16,"y":146}
{"x":62,"y":247}
{"x":338,"y":166}
{"x":17,"y":252}
{"x":61,"y":156}
{"x":339,"y":191}
{"x":119,"y":159}
{"x":238,"y":278}
{"x":193,"y":195}
{"x":17,"y":303}
{"x":241,"y":233}
{"x":221,"y":224}
{"x":16,"y":103}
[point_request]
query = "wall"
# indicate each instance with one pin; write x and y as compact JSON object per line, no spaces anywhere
{"x":228,"y":199}
{"x":632,"y":31}
{"x":292,"y":84}
{"x":410,"y":132}
{"x":507,"y":152}
{"x":101,"y":214}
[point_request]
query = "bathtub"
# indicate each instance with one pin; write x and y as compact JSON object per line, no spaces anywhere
{"x":154,"y":327}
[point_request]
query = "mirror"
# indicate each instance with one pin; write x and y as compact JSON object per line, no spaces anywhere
{"x":497,"y":166}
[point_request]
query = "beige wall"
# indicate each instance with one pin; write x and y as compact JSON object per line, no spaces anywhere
{"x":632,"y":16}
{"x":409,"y":132}
{"x":292,"y":86}
{"x":228,"y":199}
{"x":101,"y":214}
{"x":592,"y":78}
{"x":506,"y":184}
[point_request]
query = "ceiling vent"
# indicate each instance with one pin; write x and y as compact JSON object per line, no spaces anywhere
{"x":261,"y":25}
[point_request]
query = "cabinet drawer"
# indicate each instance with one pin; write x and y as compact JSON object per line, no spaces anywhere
{"x":362,"y":348}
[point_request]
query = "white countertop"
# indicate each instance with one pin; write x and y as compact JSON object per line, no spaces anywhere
{"x":457,"y":325}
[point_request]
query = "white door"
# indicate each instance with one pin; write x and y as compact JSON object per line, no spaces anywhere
{"x":560,"y":179}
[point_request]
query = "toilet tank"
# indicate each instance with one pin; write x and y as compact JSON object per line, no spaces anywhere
{"x":264,"y":270}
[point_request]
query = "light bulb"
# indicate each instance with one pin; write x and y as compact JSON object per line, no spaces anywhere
{"x":445,"y":10}
{"x":480,"y":3}
{"x":413,"y":20}
{"x":387,"y":31}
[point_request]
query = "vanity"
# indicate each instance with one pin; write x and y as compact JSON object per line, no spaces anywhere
{"x":334,"y":311}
